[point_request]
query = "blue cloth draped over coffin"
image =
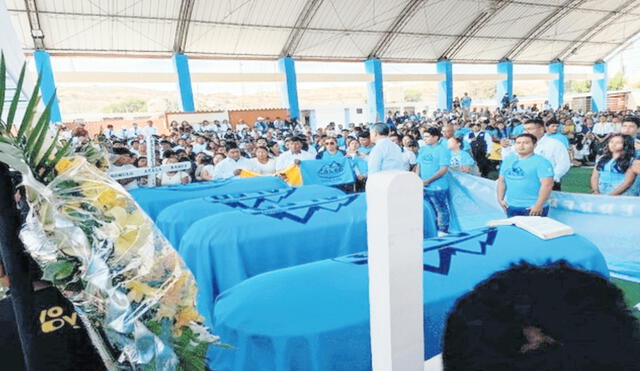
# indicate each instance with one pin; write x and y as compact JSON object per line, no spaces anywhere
{"x":154,"y":200}
{"x":175,"y":220}
{"x":316,"y":316}
{"x":224,"y":249}
{"x":327,"y":172}
{"x":609,"y":222}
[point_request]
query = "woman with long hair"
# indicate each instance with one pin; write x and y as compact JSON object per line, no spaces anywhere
{"x":610,"y":170}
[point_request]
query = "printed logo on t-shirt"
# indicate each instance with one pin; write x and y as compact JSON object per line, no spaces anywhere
{"x":515,"y":171}
{"x":428,"y":157}
{"x":53,"y":319}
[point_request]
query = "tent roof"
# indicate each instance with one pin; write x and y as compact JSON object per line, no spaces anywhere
{"x":466,"y":31}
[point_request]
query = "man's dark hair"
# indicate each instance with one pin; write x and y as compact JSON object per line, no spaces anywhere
{"x":364,"y":134}
{"x":121,"y":151}
{"x":231,"y":145}
{"x":530,"y":318}
{"x":530,"y":136}
{"x":633,"y":119}
{"x":536,"y":121}
{"x":552,"y":122}
{"x":434,"y":132}
{"x":380,"y":128}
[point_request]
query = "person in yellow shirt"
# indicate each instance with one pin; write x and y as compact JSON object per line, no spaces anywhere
{"x":495,"y":154}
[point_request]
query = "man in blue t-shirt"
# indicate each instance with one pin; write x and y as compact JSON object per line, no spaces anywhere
{"x":525,"y":181}
{"x":552,"y":128}
{"x":365,"y":142}
{"x":432,"y":165}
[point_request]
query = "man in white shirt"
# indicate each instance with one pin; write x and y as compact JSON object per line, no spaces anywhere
{"x":408,"y":156}
{"x":231,"y":165}
{"x":200,"y":144}
{"x":294,"y":155}
{"x":149,"y":129}
{"x":109,"y":132}
{"x":385,"y":155}
{"x":123,"y":133}
{"x":134,"y":131}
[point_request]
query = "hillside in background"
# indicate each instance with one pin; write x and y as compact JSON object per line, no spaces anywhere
{"x":78,"y":102}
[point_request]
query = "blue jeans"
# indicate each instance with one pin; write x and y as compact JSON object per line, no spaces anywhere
{"x":440,"y":203}
{"x":516,"y":211}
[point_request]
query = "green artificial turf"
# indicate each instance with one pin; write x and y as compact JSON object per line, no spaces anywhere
{"x":631,"y":294}
{"x":577,"y":180}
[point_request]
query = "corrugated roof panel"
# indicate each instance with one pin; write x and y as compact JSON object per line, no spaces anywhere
{"x":256,"y":12}
{"x":485,"y":49}
{"x":21,"y":25}
{"x":127,"y":8}
{"x":602,"y":4}
{"x":74,"y":6}
{"x":455,"y":17}
{"x":542,"y":51}
{"x":572,"y":25}
{"x":326,"y":44}
{"x":591,"y":54}
{"x":620,"y":30}
{"x":104,"y":33}
{"x":261,"y":27}
{"x":357,"y":14}
{"x":515,"y":21}
{"x":236,"y":40}
{"x":14,"y":4}
{"x":420,"y":48}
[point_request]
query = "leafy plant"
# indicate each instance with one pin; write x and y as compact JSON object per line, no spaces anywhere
{"x":29,"y":143}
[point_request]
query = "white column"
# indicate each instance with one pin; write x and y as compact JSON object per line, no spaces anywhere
{"x":394,"y":231}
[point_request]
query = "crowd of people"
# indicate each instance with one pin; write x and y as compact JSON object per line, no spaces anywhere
{"x":529,"y":150}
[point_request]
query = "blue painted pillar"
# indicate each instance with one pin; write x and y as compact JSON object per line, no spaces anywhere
{"x":375,"y":90}
{"x":556,"y":87}
{"x":445,"y":87}
{"x":599,"y":88}
{"x":181,"y":64}
{"x":505,"y":86}
{"x":47,"y":83}
{"x":287,"y":66}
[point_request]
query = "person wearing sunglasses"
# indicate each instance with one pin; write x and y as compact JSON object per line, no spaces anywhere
{"x":330,"y":150}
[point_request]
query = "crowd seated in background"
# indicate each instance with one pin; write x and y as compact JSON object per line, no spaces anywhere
{"x":474,"y":140}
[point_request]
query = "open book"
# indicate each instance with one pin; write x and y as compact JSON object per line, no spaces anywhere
{"x":543,"y":227}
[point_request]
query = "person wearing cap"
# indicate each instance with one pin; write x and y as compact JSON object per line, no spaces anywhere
{"x":294,"y":155}
{"x":385,"y":155}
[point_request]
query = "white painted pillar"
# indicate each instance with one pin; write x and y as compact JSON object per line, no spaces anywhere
{"x":394,"y":231}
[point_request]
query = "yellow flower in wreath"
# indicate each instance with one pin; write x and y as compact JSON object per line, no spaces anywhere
{"x":139,"y":290}
{"x":134,"y":230}
{"x":184,"y":318}
{"x":65,"y":164}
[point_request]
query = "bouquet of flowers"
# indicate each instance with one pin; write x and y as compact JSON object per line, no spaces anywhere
{"x":96,"y":245}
